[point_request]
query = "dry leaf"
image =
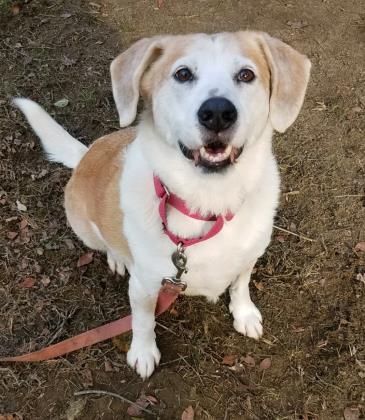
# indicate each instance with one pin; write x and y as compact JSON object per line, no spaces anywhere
{"x":351,"y":413}
{"x":65,"y":16}
{"x":45,"y":280}
{"x":188,"y":413}
{"x":69,"y":243}
{"x":13,"y":416}
{"x":85,"y":259}
{"x":259,"y":285}
{"x":61,"y":103}
{"x":20,"y":206}
{"x":174,"y":312}
{"x":360,"y":277}
{"x":108,"y":367}
{"x":160,"y":3}
{"x":23,"y":224}
{"x":27,"y":283}
{"x":249,"y":360}
{"x":229,"y":359}
{"x":15,"y":10}
{"x":298,"y":24}
{"x":265,"y":364}
{"x":360,"y":247}
{"x":12,"y":235}
{"x":153,"y":400}
{"x":75,"y":408}
{"x":143,"y":401}
{"x":122,"y":342}
{"x":87,"y":378}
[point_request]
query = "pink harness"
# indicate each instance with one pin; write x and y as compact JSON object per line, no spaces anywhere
{"x":173,"y":200}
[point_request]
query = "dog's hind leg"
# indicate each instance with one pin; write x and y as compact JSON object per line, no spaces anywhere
{"x":247,"y":318}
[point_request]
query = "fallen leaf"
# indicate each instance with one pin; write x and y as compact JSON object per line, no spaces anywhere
{"x":360,"y":247}
{"x":75,"y":408}
{"x":160,"y":3}
{"x":68,"y":61}
{"x":173,"y":311}
{"x":265,"y":364}
{"x":122,"y":342}
{"x":229,"y":359}
{"x":143,"y":401}
{"x":85,"y":259}
{"x":188,"y":413}
{"x":259,"y":285}
{"x":66,"y":15}
{"x":69,"y":243}
{"x":87,"y":377}
{"x":45,"y":280}
{"x":108,"y":367}
{"x":23,"y":224}
{"x":20,"y":206}
{"x":61,"y":103}
{"x":13,"y":416}
{"x":153,"y":400}
{"x":238,"y":367}
{"x":280,"y":238}
{"x":297,"y":24}
{"x":27,"y":283}
{"x":249,"y":360}
{"x":3,"y":201}
{"x":12,"y":235}
{"x":15,"y":10}
{"x":351,"y":413}
{"x":360,"y":277}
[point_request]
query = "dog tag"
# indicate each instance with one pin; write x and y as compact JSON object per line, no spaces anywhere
{"x":179,"y":260}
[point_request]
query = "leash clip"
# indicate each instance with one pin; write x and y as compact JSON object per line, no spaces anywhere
{"x":179,"y":259}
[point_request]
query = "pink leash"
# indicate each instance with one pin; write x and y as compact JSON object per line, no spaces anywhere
{"x":167,"y":295}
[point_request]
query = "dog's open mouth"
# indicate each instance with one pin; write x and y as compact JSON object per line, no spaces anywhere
{"x":214,"y":156}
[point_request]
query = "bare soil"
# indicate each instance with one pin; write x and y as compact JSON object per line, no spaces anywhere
{"x":309,"y":286}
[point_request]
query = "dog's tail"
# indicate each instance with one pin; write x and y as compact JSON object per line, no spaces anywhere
{"x":57,"y":143}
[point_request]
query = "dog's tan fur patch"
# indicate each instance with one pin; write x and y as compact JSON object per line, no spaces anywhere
{"x":92,"y":194}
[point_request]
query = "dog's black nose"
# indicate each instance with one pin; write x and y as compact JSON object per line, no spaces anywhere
{"x":217,"y":114}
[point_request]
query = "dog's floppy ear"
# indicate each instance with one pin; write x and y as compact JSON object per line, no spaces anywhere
{"x":126,"y":72}
{"x":289,"y":78}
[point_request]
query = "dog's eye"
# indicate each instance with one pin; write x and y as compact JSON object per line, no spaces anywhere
{"x":245,"y":75}
{"x":183,"y":75}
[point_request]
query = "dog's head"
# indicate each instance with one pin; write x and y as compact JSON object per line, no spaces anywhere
{"x":209,"y":95}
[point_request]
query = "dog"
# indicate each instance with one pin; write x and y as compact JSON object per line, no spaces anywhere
{"x":211,"y":104}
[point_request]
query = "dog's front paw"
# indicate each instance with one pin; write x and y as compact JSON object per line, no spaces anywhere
{"x":143,"y":356}
{"x":247,"y":320}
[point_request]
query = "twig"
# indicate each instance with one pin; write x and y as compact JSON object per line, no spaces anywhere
{"x":295,"y":234}
{"x":349,"y":195}
{"x":112,"y":394}
{"x":173,"y":361}
{"x":165,"y":328}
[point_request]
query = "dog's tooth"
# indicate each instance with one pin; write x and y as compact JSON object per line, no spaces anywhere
{"x":232,"y":156}
{"x":196,"y":155}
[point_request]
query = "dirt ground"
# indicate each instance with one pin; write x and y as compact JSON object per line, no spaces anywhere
{"x":310,"y":285}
